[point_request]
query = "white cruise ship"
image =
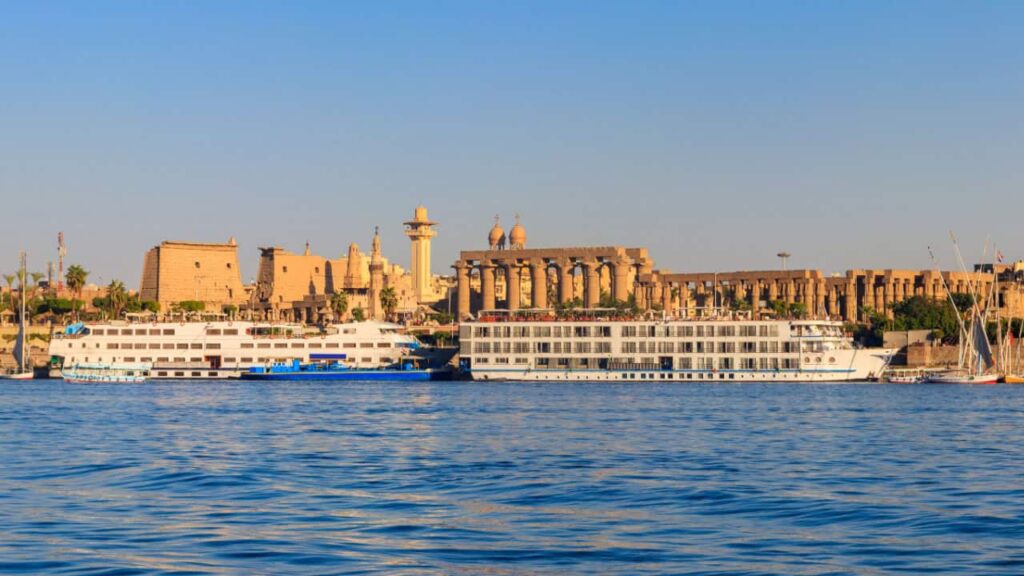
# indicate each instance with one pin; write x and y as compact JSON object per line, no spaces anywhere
{"x":224,"y":349}
{"x":675,"y":350}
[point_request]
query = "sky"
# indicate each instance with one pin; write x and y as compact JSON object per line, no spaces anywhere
{"x":716,"y":134}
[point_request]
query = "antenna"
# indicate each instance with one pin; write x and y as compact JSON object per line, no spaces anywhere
{"x":62,"y":251}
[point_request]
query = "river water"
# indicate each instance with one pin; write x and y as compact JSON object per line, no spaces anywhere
{"x":463,"y":478}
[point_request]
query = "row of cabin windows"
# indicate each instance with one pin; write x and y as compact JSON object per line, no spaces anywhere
{"x":684,"y":363}
{"x":243,"y":360}
{"x":133,"y":332}
{"x":313,"y":345}
{"x":718,"y":347}
{"x":654,"y":331}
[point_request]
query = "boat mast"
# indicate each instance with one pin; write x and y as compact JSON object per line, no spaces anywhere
{"x":23,"y":272}
{"x":952,"y":302}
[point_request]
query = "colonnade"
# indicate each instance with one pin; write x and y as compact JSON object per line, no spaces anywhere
{"x":542,"y":267}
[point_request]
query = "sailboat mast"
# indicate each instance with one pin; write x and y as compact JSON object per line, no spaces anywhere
{"x":21,"y":332}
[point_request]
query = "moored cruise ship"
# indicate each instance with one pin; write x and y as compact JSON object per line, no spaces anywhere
{"x":525,"y":348}
{"x":222,"y":349}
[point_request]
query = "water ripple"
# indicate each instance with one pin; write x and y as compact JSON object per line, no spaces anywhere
{"x":227,"y":478}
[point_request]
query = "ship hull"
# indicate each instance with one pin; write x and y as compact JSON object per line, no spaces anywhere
{"x":349,"y":376}
{"x":963,"y":379}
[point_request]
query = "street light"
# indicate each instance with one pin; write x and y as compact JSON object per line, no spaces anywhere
{"x":784,"y":256}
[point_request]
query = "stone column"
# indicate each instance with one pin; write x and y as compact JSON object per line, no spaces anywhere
{"x":487,"y":286}
{"x":565,"y":280}
{"x":790,"y":288}
{"x":755,"y":297}
{"x":620,"y":281}
{"x":513,"y":285}
{"x":852,"y":310}
{"x":539,"y":284}
{"x":684,"y":299}
{"x":462,"y":274}
{"x":773,"y":289}
{"x":666,"y":298}
{"x":591,"y":268}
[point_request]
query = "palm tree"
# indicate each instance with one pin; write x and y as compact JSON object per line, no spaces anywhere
{"x":118,"y":297}
{"x":10,"y":278}
{"x":388,"y":301}
{"x":75,"y":277}
{"x":339,"y":304}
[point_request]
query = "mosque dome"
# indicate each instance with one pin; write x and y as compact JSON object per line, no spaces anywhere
{"x":497,"y":235}
{"x":517,"y":236}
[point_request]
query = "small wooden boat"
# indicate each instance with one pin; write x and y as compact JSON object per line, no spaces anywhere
{"x":905,"y":376}
{"x":962,"y":377}
{"x":21,"y":376}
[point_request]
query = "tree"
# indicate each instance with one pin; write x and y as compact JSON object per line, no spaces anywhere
{"x":339,"y":304}
{"x":191,"y":306}
{"x":117,"y":297}
{"x":358,"y":315}
{"x":388,"y":301}
{"x":229,"y":310}
{"x":75,"y":278}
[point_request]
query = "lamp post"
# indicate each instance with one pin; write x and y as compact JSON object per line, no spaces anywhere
{"x":784,"y":256}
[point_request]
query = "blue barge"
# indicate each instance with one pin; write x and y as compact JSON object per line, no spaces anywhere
{"x":329,"y":368}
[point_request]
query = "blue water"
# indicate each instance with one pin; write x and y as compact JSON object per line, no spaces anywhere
{"x":260,"y":478}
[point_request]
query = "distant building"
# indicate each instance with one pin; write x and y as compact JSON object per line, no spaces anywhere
{"x":174,"y":272}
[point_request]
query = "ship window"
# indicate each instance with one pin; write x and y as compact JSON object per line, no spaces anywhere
{"x":246,"y":360}
{"x":315,"y":345}
{"x":366,"y":344}
{"x":178,"y":359}
{"x":347,"y":345}
{"x":195,"y":359}
{"x":179,"y":374}
{"x":298,"y":345}
{"x":161,"y":373}
{"x":332,"y":344}
{"x":126,"y":359}
{"x":197,"y":373}
{"x":231,"y":331}
{"x":162,"y":360}
{"x":246,"y":344}
{"x":168,"y":331}
{"x":155,"y":332}
{"x":280,"y":344}
{"x":213,"y":346}
{"x":212,"y":373}
{"x":213,"y":331}
{"x":145,"y":359}
{"x":367,"y":360}
{"x":196,"y":346}
{"x":383,"y":345}
{"x":126,"y":332}
{"x":168,"y":346}
{"x":97,"y":331}
{"x":111,"y":345}
{"x":182,"y":346}
{"x":139,"y":346}
{"x":154,"y":346}
{"x":263,"y":345}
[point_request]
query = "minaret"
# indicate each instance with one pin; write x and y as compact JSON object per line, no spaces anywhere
{"x":376,"y":278}
{"x":420,"y":230}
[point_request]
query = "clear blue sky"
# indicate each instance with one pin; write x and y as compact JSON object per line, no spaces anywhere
{"x":715,"y":133}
